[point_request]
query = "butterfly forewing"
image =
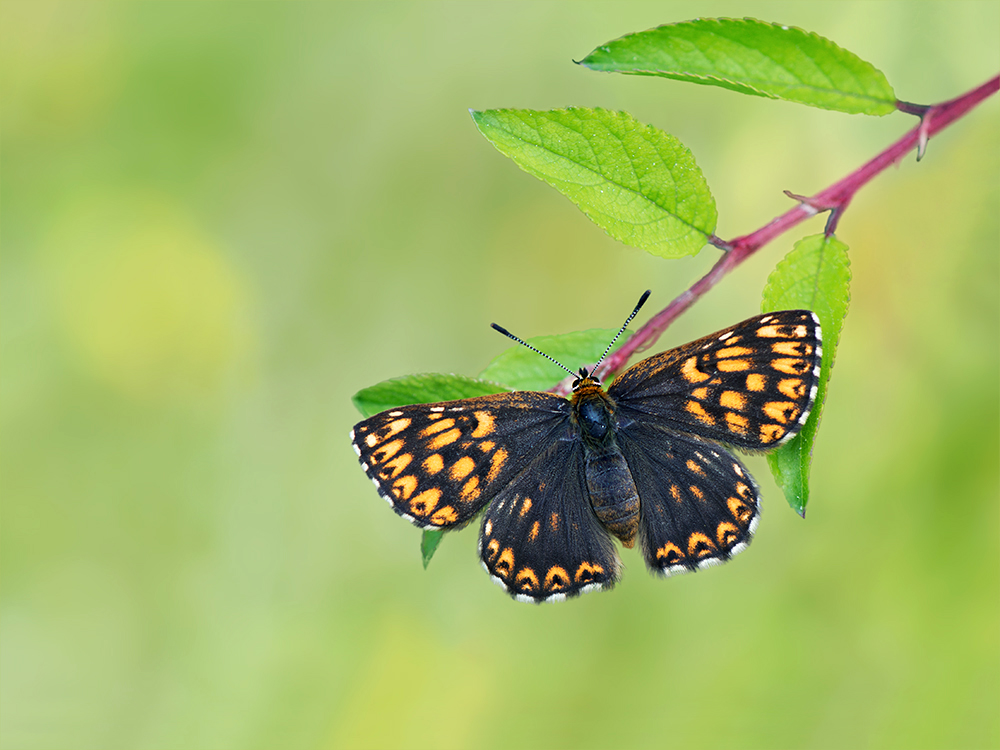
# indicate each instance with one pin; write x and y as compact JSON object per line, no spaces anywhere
{"x":439,"y":464}
{"x":540,"y":539}
{"x":751,"y":385}
{"x":699,"y":504}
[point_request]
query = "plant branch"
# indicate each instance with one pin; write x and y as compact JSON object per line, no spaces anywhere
{"x":834,"y":199}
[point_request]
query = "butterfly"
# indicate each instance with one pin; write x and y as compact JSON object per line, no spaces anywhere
{"x":643,"y":461}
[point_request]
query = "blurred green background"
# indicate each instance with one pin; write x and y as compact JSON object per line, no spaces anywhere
{"x":219,"y":221}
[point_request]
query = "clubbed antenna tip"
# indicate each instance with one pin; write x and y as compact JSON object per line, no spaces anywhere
{"x":638,"y":306}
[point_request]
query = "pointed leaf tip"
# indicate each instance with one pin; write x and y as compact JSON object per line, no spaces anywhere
{"x":429,"y":542}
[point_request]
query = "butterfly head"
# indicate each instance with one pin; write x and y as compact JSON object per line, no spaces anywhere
{"x":583,"y":376}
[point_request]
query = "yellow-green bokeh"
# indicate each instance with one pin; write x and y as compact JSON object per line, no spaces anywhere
{"x":221,"y":220}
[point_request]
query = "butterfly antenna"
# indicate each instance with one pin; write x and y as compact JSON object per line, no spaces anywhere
{"x":510,"y":335}
{"x":639,"y":304}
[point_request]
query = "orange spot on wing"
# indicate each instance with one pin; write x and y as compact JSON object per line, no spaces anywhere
{"x":693,"y":466}
{"x":497,"y":460}
{"x":669,"y":554}
{"x":444,"y":516}
{"x":699,"y":545}
{"x":526,"y":580}
{"x":470,"y":491}
{"x":771,"y":432}
{"x":405,"y":486}
{"x":433,"y":464}
{"x":394,"y":468}
{"x":398,"y":425}
{"x":492,"y":550}
{"x":386,"y":431}
{"x":425,"y":502}
{"x":554,"y":522}
{"x":792,"y":348}
{"x":485,"y":424}
{"x":700,"y":393}
{"x":791,"y":366}
{"x":505,"y":563}
{"x":696,"y":491}
{"x":732,"y":400}
{"x":792,"y":387}
{"x":556,"y":579}
{"x":387,"y":451}
{"x":587,"y":572}
{"x":675,"y":492}
{"x":740,"y":510}
{"x":462,"y":468}
{"x":445,"y":438}
{"x":777,"y":332}
{"x":533,"y":534}
{"x":733,"y":365}
{"x":734,"y":351}
{"x":737,"y":423}
{"x":441,"y":424}
{"x":690,"y":371}
{"x":756,"y":382}
{"x":525,"y":506}
{"x":727,"y":534}
{"x":781,"y":411}
{"x":696,"y":409}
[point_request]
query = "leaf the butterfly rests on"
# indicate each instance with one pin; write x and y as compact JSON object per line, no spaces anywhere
{"x":815,"y":274}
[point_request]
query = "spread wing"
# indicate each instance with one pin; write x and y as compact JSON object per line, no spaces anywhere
{"x":698,"y":504}
{"x":540,"y":539}
{"x":751,"y":385}
{"x":438,"y":464}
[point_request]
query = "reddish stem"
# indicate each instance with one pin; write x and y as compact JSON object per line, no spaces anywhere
{"x":835,"y":199}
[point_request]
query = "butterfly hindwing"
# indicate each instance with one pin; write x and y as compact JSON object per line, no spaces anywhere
{"x":438,"y":464}
{"x":751,"y":385}
{"x":540,"y":539}
{"x":699,"y":504}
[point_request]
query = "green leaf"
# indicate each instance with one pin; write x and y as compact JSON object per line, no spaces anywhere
{"x":636,"y":182}
{"x":752,"y":57}
{"x":522,"y":369}
{"x":815,"y":275}
{"x":420,"y":389}
{"x":428,"y":545}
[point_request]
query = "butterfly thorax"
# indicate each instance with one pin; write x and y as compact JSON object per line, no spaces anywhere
{"x":593,"y":411}
{"x":613,"y":495}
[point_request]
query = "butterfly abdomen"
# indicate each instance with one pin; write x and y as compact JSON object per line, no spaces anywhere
{"x":613,"y":495}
